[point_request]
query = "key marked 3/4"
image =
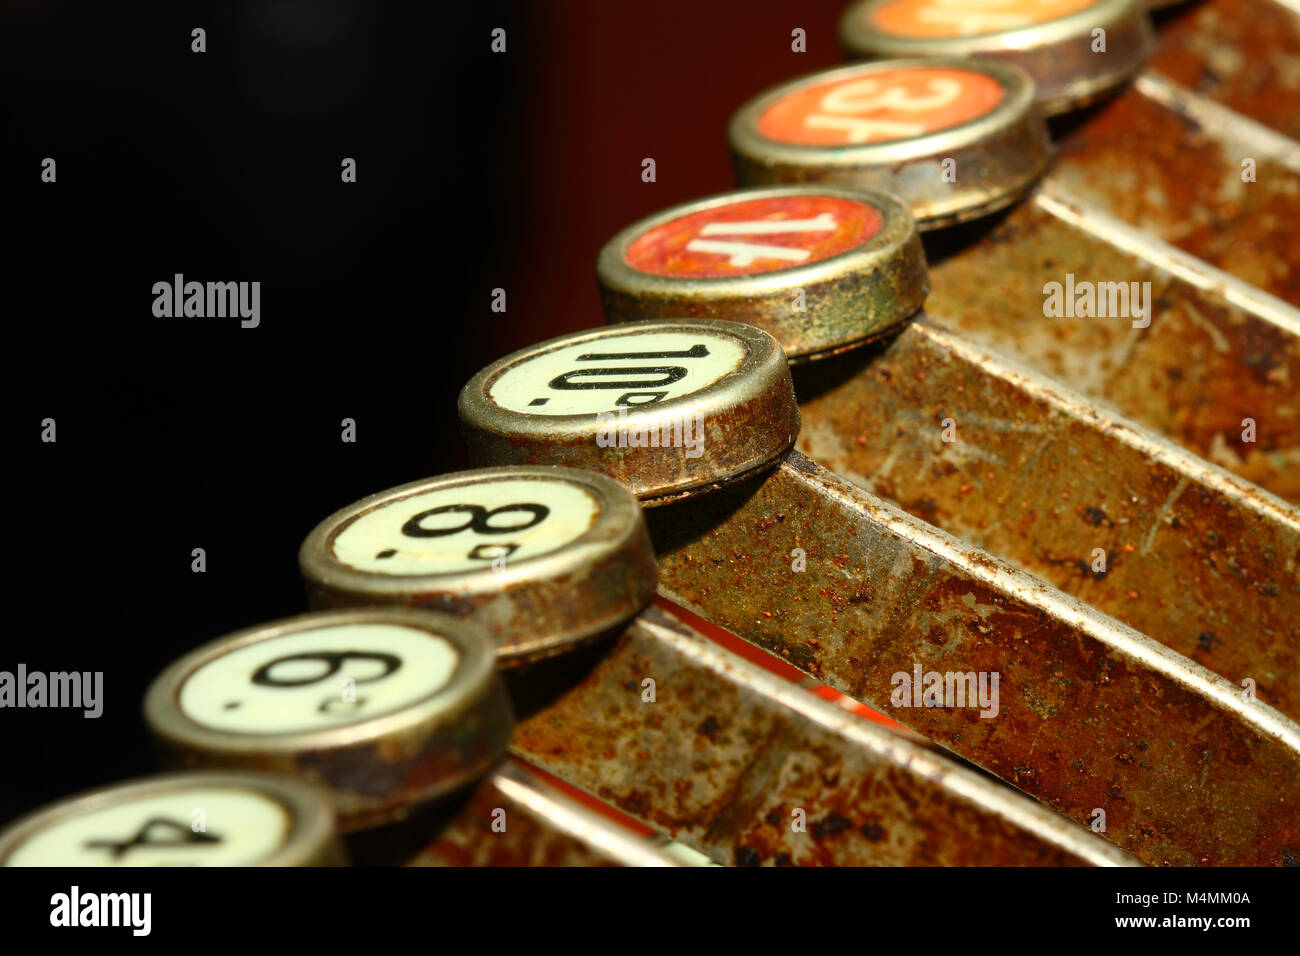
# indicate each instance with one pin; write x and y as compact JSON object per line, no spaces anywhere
{"x":954,"y":139}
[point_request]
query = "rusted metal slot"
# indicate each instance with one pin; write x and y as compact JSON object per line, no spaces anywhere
{"x":1181,"y":376}
{"x":1167,"y":162}
{"x":1092,"y":715}
{"x":513,"y":818}
{"x":751,"y":769}
{"x":1241,"y":53}
{"x":969,"y":441}
{"x":1217,"y":121}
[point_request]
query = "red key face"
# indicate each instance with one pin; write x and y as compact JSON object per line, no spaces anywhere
{"x":880,"y":106}
{"x":757,"y":235}
{"x":965,"y":18}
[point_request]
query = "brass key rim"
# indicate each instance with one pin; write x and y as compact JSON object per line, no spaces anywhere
{"x":376,"y":767}
{"x":849,"y":298}
{"x":310,"y":841}
{"x":749,"y":417}
{"x":1057,"y":54}
{"x":997,"y":156}
{"x":536,"y":606}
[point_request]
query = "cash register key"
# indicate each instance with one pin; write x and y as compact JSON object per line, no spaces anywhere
{"x":953,"y":139}
{"x":181,"y":819}
{"x":384,"y":707}
{"x":670,"y":407}
{"x":544,"y":558}
{"x":1075,"y":50}
{"x":820,"y":269}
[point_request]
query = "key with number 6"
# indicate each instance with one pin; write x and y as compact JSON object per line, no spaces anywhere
{"x":387,"y":708}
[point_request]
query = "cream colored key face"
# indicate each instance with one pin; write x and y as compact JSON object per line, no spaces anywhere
{"x":819,"y":269}
{"x":622,"y":372}
{"x":440,"y":532}
{"x":322,"y":678}
{"x":180,"y":820}
{"x":544,"y":558}
{"x":954,"y":139}
{"x":385,"y":706}
{"x":1075,"y":50}
{"x":667,"y":407}
{"x":157,"y":831}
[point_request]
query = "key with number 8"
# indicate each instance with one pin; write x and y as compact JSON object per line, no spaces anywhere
{"x":543,"y":558}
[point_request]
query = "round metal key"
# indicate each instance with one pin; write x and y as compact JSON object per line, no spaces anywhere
{"x":820,"y":269}
{"x":544,"y":558}
{"x":1075,"y":50}
{"x":181,"y":819}
{"x":954,"y":140}
{"x":386,"y":707}
{"x":668,"y":407}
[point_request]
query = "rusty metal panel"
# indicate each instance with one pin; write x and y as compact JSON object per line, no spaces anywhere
{"x":1241,"y":53}
{"x":515,"y":819}
{"x":1188,"y":769}
{"x":1215,"y":352}
{"x":753,"y":770}
{"x":1027,"y":470}
{"x":1157,"y":157}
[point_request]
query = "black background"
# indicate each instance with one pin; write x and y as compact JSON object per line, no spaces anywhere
{"x":475,"y":171}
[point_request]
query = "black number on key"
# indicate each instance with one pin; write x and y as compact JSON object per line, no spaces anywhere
{"x":478,"y":520}
{"x":333,"y":660}
{"x":669,"y":373}
{"x":183,"y":836}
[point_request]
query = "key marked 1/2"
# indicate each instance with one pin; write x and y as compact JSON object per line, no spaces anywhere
{"x":755,"y":235}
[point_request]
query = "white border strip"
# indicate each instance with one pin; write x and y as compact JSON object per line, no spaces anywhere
{"x":1168,"y":258}
{"x":1219,"y":121}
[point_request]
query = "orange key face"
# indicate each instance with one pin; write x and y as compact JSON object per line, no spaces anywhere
{"x":881,"y":107}
{"x":964,"y":18}
{"x":760,"y":235}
